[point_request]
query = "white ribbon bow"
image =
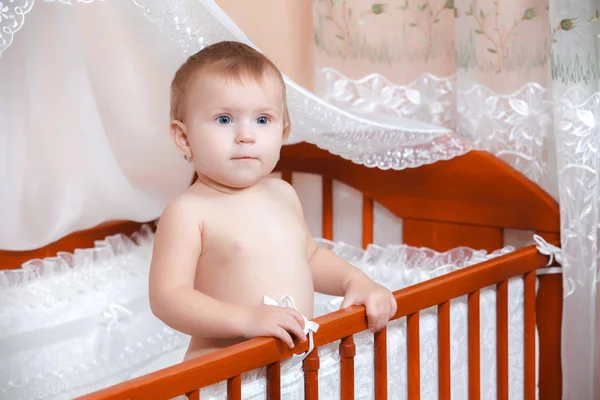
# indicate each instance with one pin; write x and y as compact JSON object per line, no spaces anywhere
{"x":110,"y":341}
{"x":114,"y":313}
{"x":309,"y":326}
{"x":548,"y":249}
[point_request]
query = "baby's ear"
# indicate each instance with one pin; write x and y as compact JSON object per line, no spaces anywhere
{"x":178,"y":133}
{"x":287,"y":127}
{"x":287,"y":123}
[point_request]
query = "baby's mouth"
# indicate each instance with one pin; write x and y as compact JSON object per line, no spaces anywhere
{"x":244,"y":158}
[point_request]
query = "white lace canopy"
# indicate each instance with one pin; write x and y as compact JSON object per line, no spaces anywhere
{"x":194,"y":24}
{"x":91,"y":81}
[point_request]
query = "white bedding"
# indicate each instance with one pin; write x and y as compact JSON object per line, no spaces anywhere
{"x":80,"y":322}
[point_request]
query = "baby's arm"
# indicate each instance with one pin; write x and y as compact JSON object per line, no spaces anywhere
{"x":331,"y":274}
{"x":173,"y":299}
{"x":177,"y":247}
{"x":334,"y":276}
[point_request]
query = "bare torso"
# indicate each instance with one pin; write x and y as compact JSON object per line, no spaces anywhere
{"x":253,"y":244}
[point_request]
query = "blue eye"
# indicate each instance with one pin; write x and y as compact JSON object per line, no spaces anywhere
{"x":262,"y":120}
{"x":224,"y":119}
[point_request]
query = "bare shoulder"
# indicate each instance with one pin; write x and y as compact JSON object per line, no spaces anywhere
{"x":285,"y":192}
{"x":181,"y":221}
{"x":177,"y":245}
{"x":185,"y":208}
{"x":281,"y":188}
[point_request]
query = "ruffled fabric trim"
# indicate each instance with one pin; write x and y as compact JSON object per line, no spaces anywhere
{"x":371,"y":140}
{"x":45,"y":282}
{"x":81,"y":321}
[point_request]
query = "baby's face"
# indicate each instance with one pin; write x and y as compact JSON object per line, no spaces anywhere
{"x":235,"y":128}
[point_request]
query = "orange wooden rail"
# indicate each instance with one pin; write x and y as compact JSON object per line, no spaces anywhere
{"x":502,"y":340}
{"x":380,"y":367}
{"x":444,"y":350}
{"x":230,"y":363}
{"x":413,"y":356}
{"x":367,"y":221}
{"x":274,"y":381}
{"x":347,"y":353}
{"x":327,"y":209}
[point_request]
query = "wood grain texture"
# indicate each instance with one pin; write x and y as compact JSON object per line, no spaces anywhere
{"x":474,"y":189}
{"x":474,"y":346}
{"x":549,"y":308}
{"x":274,"y":381}
{"x":502,"y":340}
{"x":413,"y":356}
{"x":347,"y":352}
{"x":380,"y":367}
{"x":444,"y":374}
{"x":443,"y":236}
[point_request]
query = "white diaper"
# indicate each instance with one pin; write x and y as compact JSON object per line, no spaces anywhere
{"x":309,"y":326}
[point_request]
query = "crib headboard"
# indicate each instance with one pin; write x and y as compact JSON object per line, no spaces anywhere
{"x":467,"y":200}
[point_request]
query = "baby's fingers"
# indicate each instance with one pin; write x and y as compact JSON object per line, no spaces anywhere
{"x":292,"y":325}
{"x":284,"y":336}
{"x":372,"y":316}
{"x":297,"y":316}
{"x":378,"y":317}
{"x":382,"y":320}
{"x":393,"y":306}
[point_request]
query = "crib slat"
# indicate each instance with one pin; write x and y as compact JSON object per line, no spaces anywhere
{"x":287,"y":176}
{"x":274,"y":381}
{"x":194,"y":395}
{"x":327,"y":208}
{"x":529,"y":336}
{"x":310,"y":365}
{"x":474,"y":371}
{"x":444,"y":350}
{"x":234,"y":388}
{"x":367,"y":221}
{"x":380,"y":360}
{"x":413,"y":357}
{"x":548,"y":321}
{"x":347,"y":352}
{"x":502,"y":339}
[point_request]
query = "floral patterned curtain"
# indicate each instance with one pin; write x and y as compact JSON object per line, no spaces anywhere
{"x":520,"y":80}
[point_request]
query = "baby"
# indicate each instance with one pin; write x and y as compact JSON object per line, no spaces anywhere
{"x":237,"y":235}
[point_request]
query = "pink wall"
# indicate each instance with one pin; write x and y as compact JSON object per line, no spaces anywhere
{"x":282,"y":29}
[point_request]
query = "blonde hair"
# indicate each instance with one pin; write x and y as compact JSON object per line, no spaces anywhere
{"x":229,"y":59}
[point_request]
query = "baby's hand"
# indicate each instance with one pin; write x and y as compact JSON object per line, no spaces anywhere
{"x":266,"y":320}
{"x":379,"y":301}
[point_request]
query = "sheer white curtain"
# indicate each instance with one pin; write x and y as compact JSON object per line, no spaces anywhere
{"x":84,"y":122}
{"x":519,"y":79}
{"x":576,"y":101}
{"x":84,"y":118}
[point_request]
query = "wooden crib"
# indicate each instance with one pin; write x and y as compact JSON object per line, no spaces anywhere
{"x":466,"y":201}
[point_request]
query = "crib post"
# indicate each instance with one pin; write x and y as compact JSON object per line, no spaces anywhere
{"x":347,"y":352}
{"x":311,"y":365}
{"x":549,"y":305}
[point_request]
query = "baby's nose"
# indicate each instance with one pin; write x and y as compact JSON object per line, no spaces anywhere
{"x":245,"y":135}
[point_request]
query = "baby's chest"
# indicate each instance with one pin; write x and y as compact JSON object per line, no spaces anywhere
{"x":254,"y":230}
